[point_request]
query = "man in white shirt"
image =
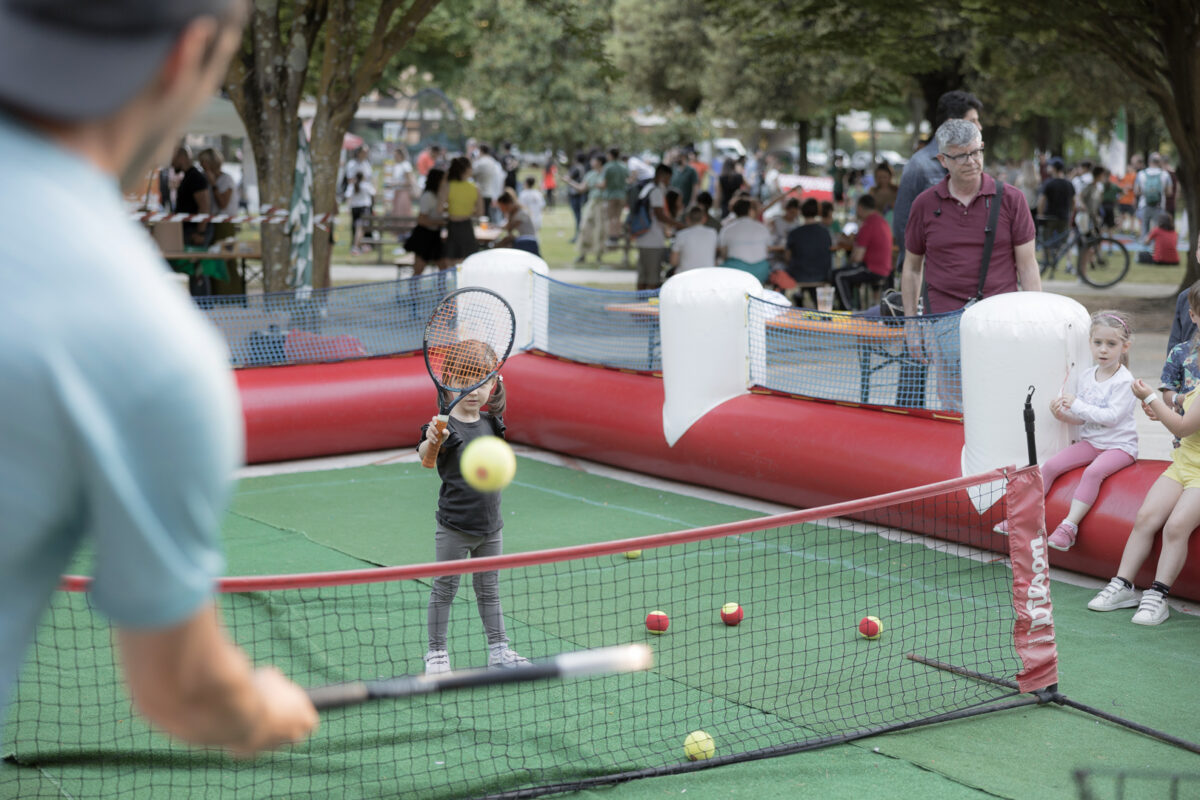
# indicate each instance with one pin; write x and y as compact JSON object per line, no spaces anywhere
{"x":743,"y":242}
{"x":780,"y":226}
{"x":696,"y":245}
{"x":489,"y":177}
{"x":652,"y":243}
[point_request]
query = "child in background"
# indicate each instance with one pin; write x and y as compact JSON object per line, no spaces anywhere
{"x":469,"y":524}
{"x":1165,"y":241}
{"x":1104,"y":406}
{"x":1172,"y":505}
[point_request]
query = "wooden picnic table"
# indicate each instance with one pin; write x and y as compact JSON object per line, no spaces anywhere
{"x":872,"y":338}
{"x":644,"y":315}
{"x":228,"y":250}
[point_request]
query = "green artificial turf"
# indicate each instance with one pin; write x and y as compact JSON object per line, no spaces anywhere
{"x":794,"y":670}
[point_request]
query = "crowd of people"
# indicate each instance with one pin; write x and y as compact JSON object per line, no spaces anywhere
{"x":449,"y":195}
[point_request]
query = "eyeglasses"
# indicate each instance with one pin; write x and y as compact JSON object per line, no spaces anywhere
{"x":976,"y":155}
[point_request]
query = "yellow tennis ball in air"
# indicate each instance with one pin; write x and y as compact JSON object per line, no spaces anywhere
{"x":632,"y":554}
{"x":698,"y":746}
{"x":488,"y":464}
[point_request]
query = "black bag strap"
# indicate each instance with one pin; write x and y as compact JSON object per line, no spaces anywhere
{"x":989,"y":234}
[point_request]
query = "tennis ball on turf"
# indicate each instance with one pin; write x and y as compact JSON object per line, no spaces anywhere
{"x":698,"y":746}
{"x":731,"y":613}
{"x":488,"y":464}
{"x":657,"y":622}
{"x":870,"y":627}
{"x":633,"y":554}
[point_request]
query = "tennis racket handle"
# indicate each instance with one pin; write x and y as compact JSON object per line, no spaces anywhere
{"x":336,"y":695}
{"x":429,"y":461}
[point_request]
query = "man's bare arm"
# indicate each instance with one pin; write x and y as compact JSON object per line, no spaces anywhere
{"x":1028,"y":274}
{"x":910,"y":281}
{"x":194,"y":683}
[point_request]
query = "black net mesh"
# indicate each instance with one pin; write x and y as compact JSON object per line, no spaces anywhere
{"x":796,"y":670}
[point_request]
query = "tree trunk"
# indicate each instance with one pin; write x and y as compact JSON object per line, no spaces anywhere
{"x":802,"y":129}
{"x":328,"y":131}
{"x":916,"y":113}
{"x":1188,"y":181}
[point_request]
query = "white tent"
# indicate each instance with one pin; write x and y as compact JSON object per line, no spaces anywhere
{"x":218,"y":118}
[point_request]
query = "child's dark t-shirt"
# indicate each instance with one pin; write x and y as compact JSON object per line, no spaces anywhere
{"x":459,"y":506}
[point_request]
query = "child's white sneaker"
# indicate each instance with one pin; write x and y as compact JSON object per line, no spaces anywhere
{"x":437,"y":662}
{"x":1115,"y":595}
{"x":499,"y":655}
{"x":1153,"y":609}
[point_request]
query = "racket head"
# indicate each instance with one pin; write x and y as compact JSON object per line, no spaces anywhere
{"x":467,"y":339}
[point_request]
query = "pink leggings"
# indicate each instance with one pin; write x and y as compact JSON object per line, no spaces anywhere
{"x":1100,"y":464}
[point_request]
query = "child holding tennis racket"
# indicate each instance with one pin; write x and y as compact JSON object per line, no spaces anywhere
{"x":469,"y":524}
{"x":1104,"y":405}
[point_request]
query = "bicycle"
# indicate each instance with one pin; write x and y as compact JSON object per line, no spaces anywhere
{"x":1099,"y":261}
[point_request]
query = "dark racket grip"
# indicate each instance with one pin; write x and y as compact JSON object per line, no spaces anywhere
{"x":431,"y":452}
{"x":337,"y":695}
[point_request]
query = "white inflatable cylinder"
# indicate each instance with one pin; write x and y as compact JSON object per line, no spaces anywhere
{"x":1009,"y":343}
{"x":705,"y":346}
{"x":509,"y":273}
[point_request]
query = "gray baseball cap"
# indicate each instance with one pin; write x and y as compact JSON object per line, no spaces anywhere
{"x":83,"y":59}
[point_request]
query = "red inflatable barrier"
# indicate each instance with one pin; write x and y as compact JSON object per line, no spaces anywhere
{"x":313,"y":410}
{"x":795,"y":452}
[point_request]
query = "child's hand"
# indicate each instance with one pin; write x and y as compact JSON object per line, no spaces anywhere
{"x":1067,"y":400}
{"x":433,"y":436}
{"x":1141,"y":389}
{"x":1059,"y":409}
{"x":1149,"y":412}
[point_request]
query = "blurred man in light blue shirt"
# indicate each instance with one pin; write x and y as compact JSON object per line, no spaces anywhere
{"x":120,"y":420}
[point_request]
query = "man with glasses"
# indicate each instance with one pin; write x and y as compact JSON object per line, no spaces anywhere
{"x":921,"y":172}
{"x":944,"y":244}
{"x":121,"y":423}
{"x":924,"y":170}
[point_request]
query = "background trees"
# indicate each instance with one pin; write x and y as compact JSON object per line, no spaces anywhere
{"x":559,"y":74}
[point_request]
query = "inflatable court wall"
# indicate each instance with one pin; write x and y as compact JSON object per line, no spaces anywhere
{"x":707,"y":421}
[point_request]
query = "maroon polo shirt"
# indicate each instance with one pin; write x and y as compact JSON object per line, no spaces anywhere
{"x":952,"y":242}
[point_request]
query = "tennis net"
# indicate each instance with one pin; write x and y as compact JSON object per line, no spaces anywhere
{"x":795,"y":674}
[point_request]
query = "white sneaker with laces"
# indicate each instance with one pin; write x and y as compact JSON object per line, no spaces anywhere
{"x":499,"y":655}
{"x":1153,"y":609}
{"x":1114,"y":596}
{"x":437,"y":662}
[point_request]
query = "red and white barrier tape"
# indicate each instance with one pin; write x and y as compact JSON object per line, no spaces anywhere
{"x":270,"y":215}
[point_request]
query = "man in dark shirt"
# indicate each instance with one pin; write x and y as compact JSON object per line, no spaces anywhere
{"x":1056,"y":201}
{"x":809,"y":254}
{"x":192,"y":197}
{"x":683,"y":177}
